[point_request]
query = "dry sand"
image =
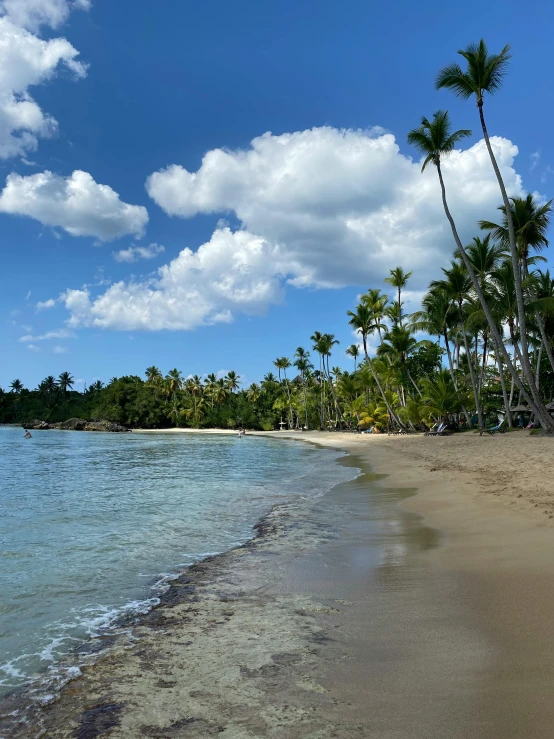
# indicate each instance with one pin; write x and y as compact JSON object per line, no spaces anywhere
{"x":415,"y":602}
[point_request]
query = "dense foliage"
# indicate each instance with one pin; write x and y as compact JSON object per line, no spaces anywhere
{"x":489,"y":319}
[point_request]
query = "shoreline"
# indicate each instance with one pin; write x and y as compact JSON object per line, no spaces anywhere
{"x":490,"y":557}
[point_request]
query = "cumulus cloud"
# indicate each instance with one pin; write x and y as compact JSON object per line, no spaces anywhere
{"x":77,"y":204}
{"x":60,"y":349}
{"x":321,"y":208}
{"x":32,"y":14}
{"x":46,"y":304}
{"x":231,"y":272}
{"x":33,"y":348}
{"x":134,"y":253}
{"x":342,"y":206}
{"x":25,"y":61}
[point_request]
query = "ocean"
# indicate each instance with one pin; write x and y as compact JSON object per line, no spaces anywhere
{"x":94,"y":525}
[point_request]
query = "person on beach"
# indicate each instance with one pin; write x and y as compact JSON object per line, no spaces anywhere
{"x":27,"y":434}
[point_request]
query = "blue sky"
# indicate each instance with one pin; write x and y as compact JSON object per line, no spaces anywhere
{"x":294,"y":226}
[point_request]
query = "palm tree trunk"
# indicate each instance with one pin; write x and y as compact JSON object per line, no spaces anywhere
{"x":485,"y":342}
{"x":450,"y":362}
{"x":538,"y":367}
{"x":544,"y":339}
{"x":413,"y":382}
{"x":507,"y":402}
{"x":390,"y":411}
{"x":526,"y":364}
{"x":473,"y":381}
{"x":547,"y":424}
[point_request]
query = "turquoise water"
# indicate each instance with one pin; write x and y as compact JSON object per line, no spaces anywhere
{"x":93,"y":525}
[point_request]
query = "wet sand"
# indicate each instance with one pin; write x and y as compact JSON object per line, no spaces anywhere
{"x":371,"y":612}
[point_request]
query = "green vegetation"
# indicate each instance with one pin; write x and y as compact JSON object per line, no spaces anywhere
{"x":490,"y":319}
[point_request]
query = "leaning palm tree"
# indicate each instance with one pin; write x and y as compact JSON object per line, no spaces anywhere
{"x":398,"y":279}
{"x":484,"y":74}
{"x":435,"y":140}
{"x":377,"y":301}
{"x":362,"y":321}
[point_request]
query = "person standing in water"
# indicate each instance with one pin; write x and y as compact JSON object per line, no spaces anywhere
{"x":27,"y":434}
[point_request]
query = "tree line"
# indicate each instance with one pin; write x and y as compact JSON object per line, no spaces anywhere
{"x":489,"y":319}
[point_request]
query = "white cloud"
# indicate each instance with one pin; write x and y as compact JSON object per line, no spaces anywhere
{"x":46,"y":304}
{"x":77,"y":204}
{"x":62,"y":333}
{"x":535,"y":159}
{"x":322,"y":208}
{"x":32,"y":14}
{"x":233,"y":271}
{"x":60,"y":349}
{"x":26,"y":61}
{"x":341,"y":206}
{"x":134,"y":253}
{"x":28,"y":295}
{"x":33,"y":348}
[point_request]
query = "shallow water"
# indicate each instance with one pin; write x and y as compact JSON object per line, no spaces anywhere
{"x":93,"y":525}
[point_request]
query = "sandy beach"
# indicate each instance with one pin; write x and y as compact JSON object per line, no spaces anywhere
{"x":415,"y":601}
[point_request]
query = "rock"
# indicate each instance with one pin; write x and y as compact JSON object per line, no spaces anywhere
{"x":37,"y":425}
{"x":74,"y":424}
{"x":104,"y":426}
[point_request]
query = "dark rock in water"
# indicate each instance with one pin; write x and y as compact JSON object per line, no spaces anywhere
{"x":76,"y":424}
{"x":37,"y":425}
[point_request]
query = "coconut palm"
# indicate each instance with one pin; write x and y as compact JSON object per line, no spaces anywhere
{"x":398,"y":279}
{"x":399,"y":343}
{"x":16,"y":386}
{"x":65,"y":382}
{"x":303,"y":365}
{"x":354,"y":352}
{"x":435,"y":141}
{"x":153,"y":375}
{"x":458,"y":285}
{"x":232,"y":381}
{"x":484,"y":75}
{"x":377,"y":302}
{"x":531,"y":221}
{"x":283,"y":363}
{"x":363,"y":322}
{"x":440,"y":397}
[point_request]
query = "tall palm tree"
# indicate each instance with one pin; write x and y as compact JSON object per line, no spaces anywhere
{"x":399,"y":279}
{"x":362,"y":321}
{"x":458,"y":285}
{"x":283,"y":363}
{"x":303,"y":365}
{"x":399,"y":343}
{"x":377,"y":301}
{"x":435,"y":140}
{"x":354,"y":352}
{"x":531,"y":221}
{"x":16,"y":386}
{"x":484,"y":75}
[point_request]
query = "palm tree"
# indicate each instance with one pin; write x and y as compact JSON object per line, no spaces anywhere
{"x":303,"y":365}
{"x":16,"y":386}
{"x":174,"y":384}
{"x":484,"y":75}
{"x":398,"y":279}
{"x":65,"y":382}
{"x":232,"y":381}
{"x":153,"y":375}
{"x":283,"y":363}
{"x":435,"y":140}
{"x":362,"y":321}
{"x":399,"y":343}
{"x":253,"y":392}
{"x":458,"y":285}
{"x":354,"y":352}
{"x":377,"y":301}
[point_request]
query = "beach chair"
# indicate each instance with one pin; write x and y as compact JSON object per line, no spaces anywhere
{"x":498,"y":429}
{"x":440,"y":431}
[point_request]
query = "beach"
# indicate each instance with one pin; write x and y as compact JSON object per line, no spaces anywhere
{"x":414,"y":601}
